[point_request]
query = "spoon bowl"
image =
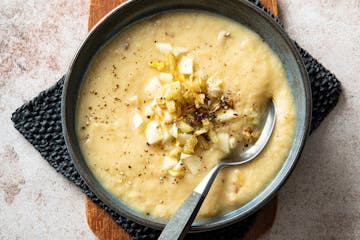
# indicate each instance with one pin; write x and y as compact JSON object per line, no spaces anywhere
{"x":236,"y":158}
{"x":181,"y":221}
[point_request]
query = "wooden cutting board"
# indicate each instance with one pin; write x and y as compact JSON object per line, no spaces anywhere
{"x":103,"y":226}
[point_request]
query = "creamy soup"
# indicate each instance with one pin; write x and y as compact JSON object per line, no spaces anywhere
{"x":169,"y":97}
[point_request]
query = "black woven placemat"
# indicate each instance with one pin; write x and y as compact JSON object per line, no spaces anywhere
{"x":40,"y":122}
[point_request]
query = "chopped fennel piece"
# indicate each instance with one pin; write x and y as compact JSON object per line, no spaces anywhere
{"x":184,"y":127}
{"x":183,"y":137}
{"x":177,"y":170}
{"x":175,"y":152}
{"x":172,"y":91}
{"x":190,"y":144}
{"x":200,"y":131}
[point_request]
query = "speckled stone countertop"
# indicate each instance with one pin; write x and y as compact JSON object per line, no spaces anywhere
{"x":38,"y":38}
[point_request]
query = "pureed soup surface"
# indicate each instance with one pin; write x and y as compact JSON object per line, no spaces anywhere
{"x":169,"y":97}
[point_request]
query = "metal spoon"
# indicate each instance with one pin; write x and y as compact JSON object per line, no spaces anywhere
{"x":181,"y":221}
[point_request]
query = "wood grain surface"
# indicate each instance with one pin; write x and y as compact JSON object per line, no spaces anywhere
{"x":103,"y":226}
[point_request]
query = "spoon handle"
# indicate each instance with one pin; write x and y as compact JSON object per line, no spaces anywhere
{"x":181,"y":221}
{"x":179,"y":224}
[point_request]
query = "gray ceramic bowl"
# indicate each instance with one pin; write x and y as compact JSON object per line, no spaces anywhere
{"x":241,"y":11}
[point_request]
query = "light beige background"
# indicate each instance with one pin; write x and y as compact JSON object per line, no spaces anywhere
{"x":38,"y":38}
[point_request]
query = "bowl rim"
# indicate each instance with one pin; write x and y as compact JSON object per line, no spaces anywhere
{"x":208,"y":226}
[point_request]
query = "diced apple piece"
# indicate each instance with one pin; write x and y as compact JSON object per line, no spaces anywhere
{"x":232,"y":142}
{"x":238,"y":179}
{"x":223,"y":143}
{"x":214,"y":87}
{"x":137,"y":120}
{"x":133,"y":100}
{"x":173,"y":130}
{"x":166,"y":135}
{"x":153,"y":132}
{"x":184,"y":156}
{"x":201,"y":74}
{"x":226,"y":115}
{"x":213,"y":136}
{"x":222,"y":35}
{"x":164,"y":47}
{"x":169,"y":163}
{"x":149,"y":109}
{"x":179,"y":50}
{"x":193,"y":163}
{"x":168,"y":118}
{"x":166,"y":77}
{"x":154,"y":88}
{"x":254,"y":116}
{"x":185,"y":65}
